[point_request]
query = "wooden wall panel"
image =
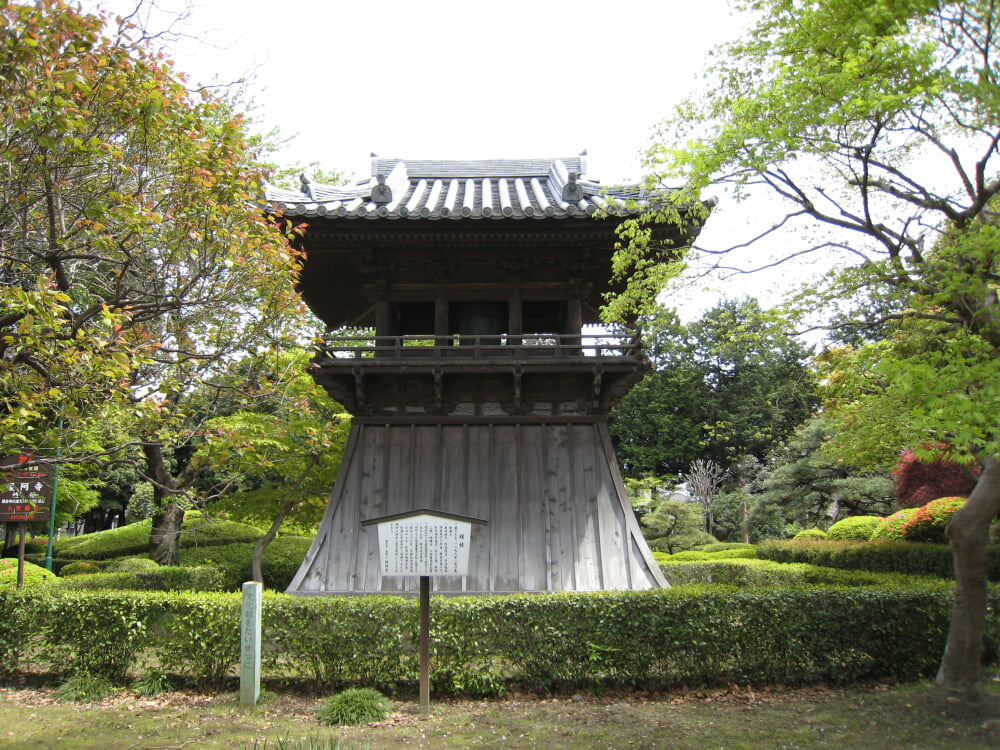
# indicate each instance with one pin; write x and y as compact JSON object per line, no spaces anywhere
{"x":558,"y":517}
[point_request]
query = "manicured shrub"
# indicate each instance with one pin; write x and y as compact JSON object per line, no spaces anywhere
{"x":723,"y":546}
{"x":130,"y":565}
{"x":39,"y":545}
{"x":355,"y":706}
{"x":853,"y":529}
{"x":929,"y":522}
{"x":79,"y":568}
{"x":33,"y":575}
{"x":890,"y":528}
{"x":133,"y":539}
{"x":810,"y":534}
{"x":911,"y":558}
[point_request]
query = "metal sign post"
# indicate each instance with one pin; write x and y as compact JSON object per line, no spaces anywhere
{"x":424,"y":543}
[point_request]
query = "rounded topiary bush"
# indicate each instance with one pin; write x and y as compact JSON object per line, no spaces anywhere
{"x":929,"y":522}
{"x":79,"y":568}
{"x":890,"y":528}
{"x":854,"y":529}
{"x":810,"y":534}
{"x":355,"y":706}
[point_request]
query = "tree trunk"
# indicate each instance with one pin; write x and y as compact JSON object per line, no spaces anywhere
{"x":164,"y":541}
{"x":256,"y":571}
{"x":968,"y":535}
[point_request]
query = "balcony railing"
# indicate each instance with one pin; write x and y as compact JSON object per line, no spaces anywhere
{"x":531,"y":346}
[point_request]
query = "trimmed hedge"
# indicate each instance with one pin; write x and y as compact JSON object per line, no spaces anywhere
{"x":482,"y":645}
{"x":754,"y":573}
{"x":911,"y":558}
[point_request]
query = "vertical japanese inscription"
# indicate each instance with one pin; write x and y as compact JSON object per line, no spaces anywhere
{"x":424,"y":545}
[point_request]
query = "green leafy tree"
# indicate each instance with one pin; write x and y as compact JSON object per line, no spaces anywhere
{"x":730,"y":384}
{"x":877,"y":124}
{"x":285,"y":451}
{"x":134,"y":260}
{"x":803,"y":488}
{"x":676,"y":525}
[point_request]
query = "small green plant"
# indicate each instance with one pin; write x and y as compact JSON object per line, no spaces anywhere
{"x":854,"y":529}
{"x":355,"y":706}
{"x":810,"y":534}
{"x":84,"y":687}
{"x":152,"y":684}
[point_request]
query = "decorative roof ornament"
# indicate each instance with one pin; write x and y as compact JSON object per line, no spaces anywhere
{"x":381,"y":193}
{"x":306,"y":185}
{"x":572,"y":191}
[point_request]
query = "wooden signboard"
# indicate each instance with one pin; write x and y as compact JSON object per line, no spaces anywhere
{"x":424,"y":543}
{"x":25,"y":491}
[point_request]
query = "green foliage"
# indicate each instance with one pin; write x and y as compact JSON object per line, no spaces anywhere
{"x":675,"y":525}
{"x":752,"y":574}
{"x":801,"y":487}
{"x":854,"y":529}
{"x":161,"y":578}
{"x":79,"y":568}
{"x":153,"y":683}
{"x":355,"y":706}
{"x":725,"y":546}
{"x":929,"y":522}
{"x":810,"y":534}
{"x":130,"y":565}
{"x":747,"y":552}
{"x":730,"y":384}
{"x":885,"y":556}
{"x":33,"y":575}
{"x":84,"y":688}
{"x":199,"y":635}
{"x":890,"y":528}
{"x":100,"y":634}
{"x":860,"y":628}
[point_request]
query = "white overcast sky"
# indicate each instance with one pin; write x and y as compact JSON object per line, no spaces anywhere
{"x":467,"y":80}
{"x":454,"y":79}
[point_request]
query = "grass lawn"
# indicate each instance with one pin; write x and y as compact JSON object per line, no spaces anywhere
{"x":856,"y":718}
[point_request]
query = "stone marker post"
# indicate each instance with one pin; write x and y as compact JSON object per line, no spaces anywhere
{"x":250,"y":644}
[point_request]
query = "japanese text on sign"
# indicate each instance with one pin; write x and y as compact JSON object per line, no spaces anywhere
{"x":25,"y":491}
{"x":424,"y":546}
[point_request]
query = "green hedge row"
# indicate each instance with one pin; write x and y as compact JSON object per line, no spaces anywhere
{"x":482,"y":645}
{"x":911,"y":558}
{"x":751,"y":573}
{"x":231,"y":563}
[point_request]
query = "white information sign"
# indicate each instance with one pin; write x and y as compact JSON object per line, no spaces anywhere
{"x":424,"y":545}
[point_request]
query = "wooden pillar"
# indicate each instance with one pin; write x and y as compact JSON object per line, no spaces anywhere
{"x":515,"y":315}
{"x":441,"y":316}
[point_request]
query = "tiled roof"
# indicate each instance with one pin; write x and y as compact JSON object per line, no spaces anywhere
{"x":444,"y":189}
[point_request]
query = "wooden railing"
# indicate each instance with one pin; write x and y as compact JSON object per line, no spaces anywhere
{"x":505,"y":346}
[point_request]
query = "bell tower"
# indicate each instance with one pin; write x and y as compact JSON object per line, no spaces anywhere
{"x":459,"y":297}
